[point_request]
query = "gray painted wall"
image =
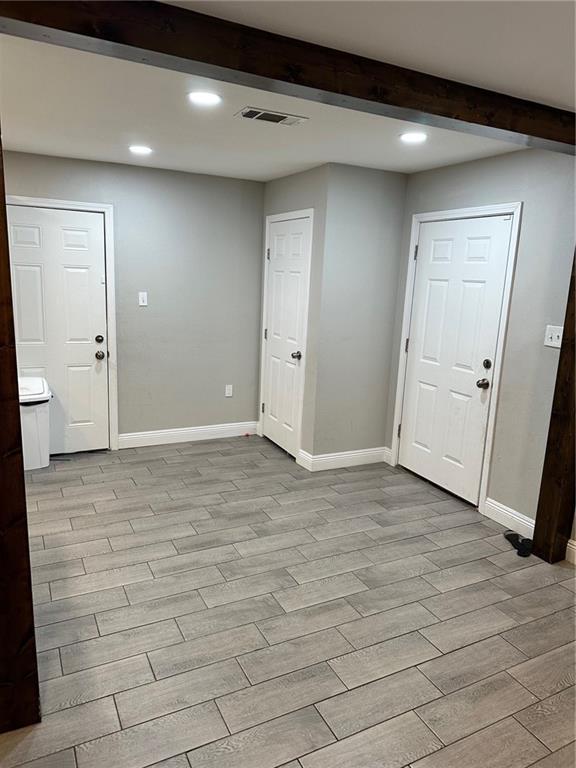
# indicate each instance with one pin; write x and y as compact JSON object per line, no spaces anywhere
{"x":544,"y":182}
{"x":195,"y":244}
{"x":360,"y":274}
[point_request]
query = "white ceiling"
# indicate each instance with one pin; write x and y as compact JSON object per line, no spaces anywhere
{"x":524,"y":47}
{"x":57,"y":101}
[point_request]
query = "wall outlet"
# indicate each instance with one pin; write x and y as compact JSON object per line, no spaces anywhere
{"x":228,"y":390}
{"x":553,"y":336}
{"x":142,"y":298}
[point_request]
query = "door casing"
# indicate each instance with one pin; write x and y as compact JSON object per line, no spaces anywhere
{"x":108,"y":212}
{"x":501,"y":209}
{"x":305,"y":213}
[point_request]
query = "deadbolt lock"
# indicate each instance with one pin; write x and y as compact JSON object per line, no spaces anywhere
{"x":99,"y":339}
{"x":487,"y":363}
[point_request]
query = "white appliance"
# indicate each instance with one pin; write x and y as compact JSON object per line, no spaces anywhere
{"x":35,"y":397}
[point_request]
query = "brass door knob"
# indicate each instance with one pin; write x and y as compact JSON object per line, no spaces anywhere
{"x":482,"y":383}
{"x":100,"y":355}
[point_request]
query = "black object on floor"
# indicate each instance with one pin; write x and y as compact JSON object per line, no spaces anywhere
{"x":521,"y":545}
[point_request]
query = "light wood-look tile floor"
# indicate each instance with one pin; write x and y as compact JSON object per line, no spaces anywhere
{"x":213,"y":605}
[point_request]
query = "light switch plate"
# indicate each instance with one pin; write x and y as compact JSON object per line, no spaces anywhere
{"x":553,"y":336}
{"x":143,"y":298}
{"x":228,"y":390}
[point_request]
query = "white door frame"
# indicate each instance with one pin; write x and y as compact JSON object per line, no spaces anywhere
{"x":501,"y":209}
{"x":108,"y":211}
{"x":305,"y":213}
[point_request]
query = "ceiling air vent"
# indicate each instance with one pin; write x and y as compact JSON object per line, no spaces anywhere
{"x":266,"y":116}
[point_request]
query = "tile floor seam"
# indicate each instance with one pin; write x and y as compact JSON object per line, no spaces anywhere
{"x":530,"y":591}
{"x":431,"y":729}
{"x":230,"y":733}
{"x":442,"y":653}
{"x":315,"y":706}
{"x":481,"y":730}
{"x":539,"y":698}
{"x":534,"y":735}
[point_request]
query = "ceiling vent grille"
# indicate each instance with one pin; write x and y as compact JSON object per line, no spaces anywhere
{"x":266,"y":116}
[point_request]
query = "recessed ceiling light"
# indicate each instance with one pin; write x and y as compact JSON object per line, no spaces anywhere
{"x":140,"y":149}
{"x":413,"y":137}
{"x":204,"y":98}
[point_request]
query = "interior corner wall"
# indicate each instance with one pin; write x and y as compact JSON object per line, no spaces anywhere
{"x":194,"y":242}
{"x":364,"y":217}
{"x":544,"y":183}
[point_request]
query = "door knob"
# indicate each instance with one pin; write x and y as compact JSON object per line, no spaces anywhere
{"x":482,"y":383}
{"x":296,"y":355}
{"x":99,"y":339}
{"x":99,"y":355}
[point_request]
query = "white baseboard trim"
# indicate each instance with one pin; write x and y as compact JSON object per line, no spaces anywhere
{"x":343,"y":459}
{"x":186,"y":434}
{"x":512,"y":519}
{"x":520,"y":523}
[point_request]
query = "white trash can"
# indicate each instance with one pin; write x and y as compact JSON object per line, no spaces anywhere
{"x":34,"y":417}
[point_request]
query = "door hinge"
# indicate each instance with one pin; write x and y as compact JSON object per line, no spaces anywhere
{"x":268,"y":253}
{"x":399,"y":429}
{"x":262,"y":407}
{"x":265,"y":333}
{"x":415,"y":252}
{"x":406,"y":345}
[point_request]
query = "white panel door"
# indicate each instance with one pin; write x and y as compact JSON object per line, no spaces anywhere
{"x":286,"y":299}
{"x":59,"y":295}
{"x":458,"y":293}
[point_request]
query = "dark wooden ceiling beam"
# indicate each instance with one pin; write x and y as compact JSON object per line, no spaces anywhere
{"x":175,"y":38}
